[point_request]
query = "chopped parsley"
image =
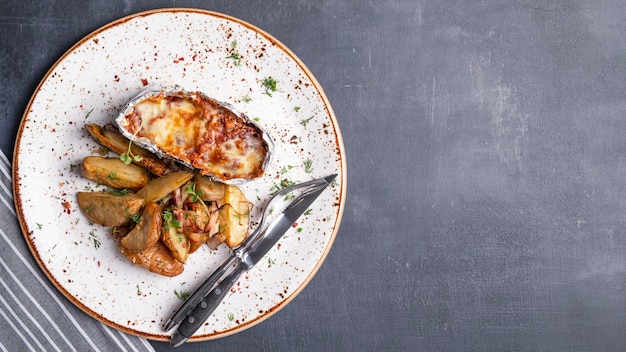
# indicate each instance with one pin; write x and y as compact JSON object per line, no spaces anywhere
{"x":170,"y":220}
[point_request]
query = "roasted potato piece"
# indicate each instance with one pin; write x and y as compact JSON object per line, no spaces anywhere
{"x":117,"y":143}
{"x":208,"y":189}
{"x":173,"y":237}
{"x":156,"y":258}
{"x":109,"y":208}
{"x":177,"y":242}
{"x":164,"y":185}
{"x":147,"y":232}
{"x":114,"y":173}
{"x":234,"y":216}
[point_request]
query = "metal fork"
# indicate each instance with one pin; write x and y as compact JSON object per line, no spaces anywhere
{"x":208,"y":284}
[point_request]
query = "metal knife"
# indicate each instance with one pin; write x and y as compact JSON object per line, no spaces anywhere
{"x":243,"y":260}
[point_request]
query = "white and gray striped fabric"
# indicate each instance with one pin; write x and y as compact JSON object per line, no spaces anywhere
{"x":34,"y":315}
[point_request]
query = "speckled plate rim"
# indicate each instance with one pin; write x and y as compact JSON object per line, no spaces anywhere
{"x":339,"y":145}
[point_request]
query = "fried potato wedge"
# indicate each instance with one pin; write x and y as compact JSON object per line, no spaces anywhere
{"x":208,"y":189}
{"x":177,"y":242}
{"x":114,"y":173}
{"x":164,"y":185}
{"x":234,"y":216}
{"x":109,"y":209}
{"x":147,"y":232}
{"x":156,"y":258}
{"x":117,"y":143}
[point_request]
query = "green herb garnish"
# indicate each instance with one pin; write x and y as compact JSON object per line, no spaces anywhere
{"x":308,"y":166}
{"x":269,"y":84}
{"x":88,"y":113}
{"x":135,"y":218}
{"x":94,"y":238}
{"x":234,"y":54}
{"x":183,"y":295}
{"x":306,"y":121}
{"x":283,"y":184}
{"x":128,"y":157}
{"x":170,"y":220}
{"x":119,"y":192}
{"x":194,"y":195}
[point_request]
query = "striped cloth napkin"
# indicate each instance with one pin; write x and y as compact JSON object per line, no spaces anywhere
{"x":34,"y":315}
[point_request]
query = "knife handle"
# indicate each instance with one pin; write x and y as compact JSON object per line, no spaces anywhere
{"x":205,"y":308}
{"x":200,"y":292}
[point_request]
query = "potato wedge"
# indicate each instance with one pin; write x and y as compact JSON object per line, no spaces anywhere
{"x":173,"y":237}
{"x":156,"y":258}
{"x":177,"y":242}
{"x":164,"y":185}
{"x":117,"y":143}
{"x":114,"y":173}
{"x":109,"y":209}
{"x":147,"y":232}
{"x":234,"y":216}
{"x":208,"y":189}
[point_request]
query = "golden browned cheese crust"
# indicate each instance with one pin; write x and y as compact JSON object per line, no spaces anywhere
{"x":198,"y":131}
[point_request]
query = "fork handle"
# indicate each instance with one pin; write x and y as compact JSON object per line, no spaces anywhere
{"x":199,"y":293}
{"x":205,"y":308}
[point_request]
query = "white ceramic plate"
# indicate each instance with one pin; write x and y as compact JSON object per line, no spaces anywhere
{"x":91,"y":83}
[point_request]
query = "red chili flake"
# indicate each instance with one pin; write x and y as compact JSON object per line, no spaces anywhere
{"x":194,"y":57}
{"x":278,"y":246}
{"x":295,"y":224}
{"x":66,"y":206}
{"x":117,"y":78}
{"x":144,"y":81}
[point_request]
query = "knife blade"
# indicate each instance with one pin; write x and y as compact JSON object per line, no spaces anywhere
{"x":200,"y":292}
{"x":245,"y":259}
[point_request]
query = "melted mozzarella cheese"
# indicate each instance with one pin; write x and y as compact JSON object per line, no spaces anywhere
{"x":202,"y":134}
